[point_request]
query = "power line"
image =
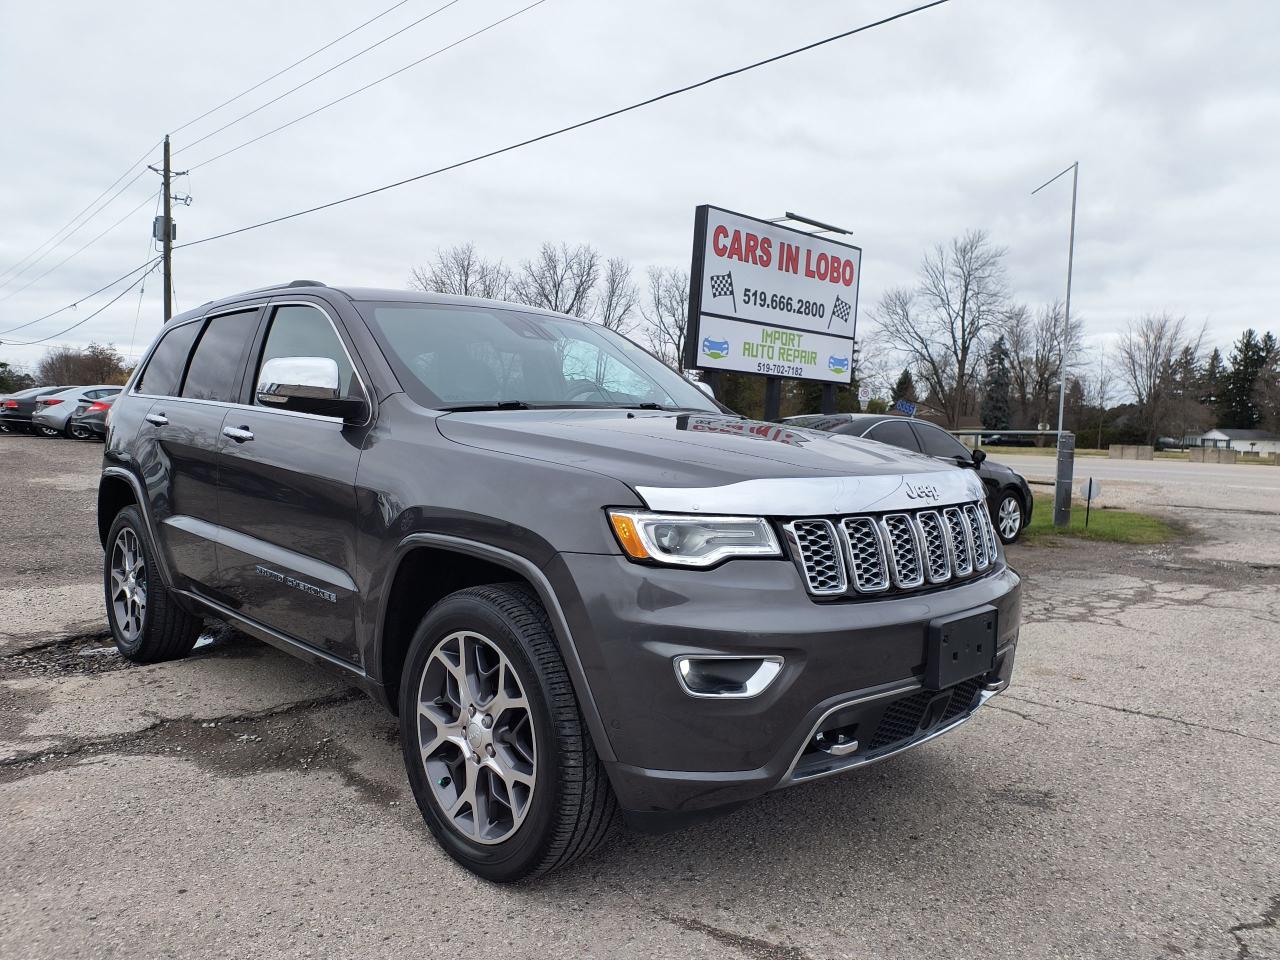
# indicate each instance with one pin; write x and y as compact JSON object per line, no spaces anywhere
{"x":348,"y":96}
{"x":53,"y":336}
{"x":79,"y":250}
{"x":567,"y":129}
{"x":141,"y":159}
{"x":279,"y":73}
{"x":14,"y":270}
{"x":323,"y":73}
{"x":70,"y":306}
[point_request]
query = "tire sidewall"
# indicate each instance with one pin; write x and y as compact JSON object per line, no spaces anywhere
{"x":48,"y":431}
{"x":1022,"y":516}
{"x":129,"y":517}
{"x":520,"y":854}
{"x":76,"y":432}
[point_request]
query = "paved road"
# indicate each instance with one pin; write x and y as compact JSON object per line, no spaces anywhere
{"x":1223,"y":476}
{"x":1122,"y":800}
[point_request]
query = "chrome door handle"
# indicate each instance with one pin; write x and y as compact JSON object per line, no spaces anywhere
{"x":238,"y":434}
{"x":159,"y":419}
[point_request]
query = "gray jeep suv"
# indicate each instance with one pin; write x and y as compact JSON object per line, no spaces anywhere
{"x":586,"y":588}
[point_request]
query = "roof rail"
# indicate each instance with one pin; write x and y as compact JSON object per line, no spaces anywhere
{"x":305,"y":283}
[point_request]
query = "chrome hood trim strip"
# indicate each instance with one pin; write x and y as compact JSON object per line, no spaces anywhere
{"x":820,"y":496}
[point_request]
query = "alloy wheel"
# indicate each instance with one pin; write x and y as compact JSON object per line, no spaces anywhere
{"x":476,"y":738}
{"x":128,"y":585}
{"x":1010,"y":517}
{"x":49,"y":432}
{"x":79,"y":432}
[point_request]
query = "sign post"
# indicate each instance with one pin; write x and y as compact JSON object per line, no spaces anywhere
{"x":771,"y":300}
{"x":1090,"y":489}
{"x":1062,"y":489}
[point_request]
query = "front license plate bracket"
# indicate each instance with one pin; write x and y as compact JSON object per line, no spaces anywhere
{"x":960,"y":646}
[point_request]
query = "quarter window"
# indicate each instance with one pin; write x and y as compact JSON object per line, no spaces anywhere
{"x":219,"y":356}
{"x":168,"y":361}
{"x":298,"y":331}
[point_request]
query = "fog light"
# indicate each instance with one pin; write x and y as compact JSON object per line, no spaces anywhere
{"x":738,"y":677}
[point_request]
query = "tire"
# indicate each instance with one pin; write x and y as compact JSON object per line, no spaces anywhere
{"x":76,"y":431}
{"x":48,"y":431}
{"x":1010,"y":515}
{"x":157,"y":629}
{"x":568,"y":805}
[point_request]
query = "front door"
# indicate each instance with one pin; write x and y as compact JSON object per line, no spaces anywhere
{"x":287,"y":500}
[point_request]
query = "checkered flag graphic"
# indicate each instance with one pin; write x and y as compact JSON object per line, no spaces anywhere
{"x":722,"y":286}
{"x":840,"y":311}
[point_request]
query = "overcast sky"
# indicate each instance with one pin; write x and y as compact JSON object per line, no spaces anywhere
{"x":907,"y":134}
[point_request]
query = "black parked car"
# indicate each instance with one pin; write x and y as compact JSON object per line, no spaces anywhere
{"x":89,"y":422}
{"x":583,"y":585}
{"x":17,"y":409}
{"x":1008,"y":496}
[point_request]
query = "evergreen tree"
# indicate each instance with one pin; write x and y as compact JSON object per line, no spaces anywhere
{"x":1266,"y":393}
{"x":904,"y":389}
{"x":995,"y":389}
{"x":1248,"y":358}
{"x":1213,"y":379}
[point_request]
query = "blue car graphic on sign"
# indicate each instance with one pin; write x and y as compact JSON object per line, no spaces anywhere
{"x":838,"y":364}
{"x":715,"y":349}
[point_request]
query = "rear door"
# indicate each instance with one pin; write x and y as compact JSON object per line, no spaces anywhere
{"x":897,"y":432}
{"x":287,"y":495}
{"x":192,"y":377}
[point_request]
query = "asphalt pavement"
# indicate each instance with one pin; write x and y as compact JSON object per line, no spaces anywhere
{"x":1121,"y":800}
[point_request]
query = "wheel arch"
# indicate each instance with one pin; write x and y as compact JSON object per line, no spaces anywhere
{"x":428,"y":567}
{"x":116,"y":490}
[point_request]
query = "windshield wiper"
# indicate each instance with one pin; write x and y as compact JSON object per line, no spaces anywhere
{"x":500,"y":405}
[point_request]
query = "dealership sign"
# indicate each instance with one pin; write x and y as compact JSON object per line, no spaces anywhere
{"x":769,"y":299}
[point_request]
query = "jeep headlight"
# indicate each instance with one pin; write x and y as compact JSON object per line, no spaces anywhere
{"x":685,"y":540}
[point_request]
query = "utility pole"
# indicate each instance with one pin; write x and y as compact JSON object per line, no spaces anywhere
{"x":1066,"y":446}
{"x":168,"y":234}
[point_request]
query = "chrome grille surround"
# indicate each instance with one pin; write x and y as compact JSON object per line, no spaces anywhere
{"x":821,"y":556}
{"x":903,"y":548}
{"x":865,"y":549}
{"x":960,"y":540}
{"x":978,"y":537}
{"x":902,"y":551}
{"x":933,"y":538}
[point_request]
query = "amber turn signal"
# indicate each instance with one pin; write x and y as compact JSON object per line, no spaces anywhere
{"x":625,"y":529}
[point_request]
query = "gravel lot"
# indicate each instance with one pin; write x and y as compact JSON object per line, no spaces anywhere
{"x":1122,"y":799}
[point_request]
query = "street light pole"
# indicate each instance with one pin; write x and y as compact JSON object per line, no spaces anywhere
{"x":1066,"y":446}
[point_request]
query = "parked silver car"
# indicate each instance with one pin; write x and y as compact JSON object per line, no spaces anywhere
{"x":54,"y":413}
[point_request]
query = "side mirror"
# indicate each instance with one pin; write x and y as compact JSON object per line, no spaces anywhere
{"x":704,"y":387}
{"x":307,"y":385}
{"x":978,"y":456}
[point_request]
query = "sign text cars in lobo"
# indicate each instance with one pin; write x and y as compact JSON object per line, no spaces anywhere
{"x":771,"y":300}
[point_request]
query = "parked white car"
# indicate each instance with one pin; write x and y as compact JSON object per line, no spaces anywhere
{"x":54,"y":412}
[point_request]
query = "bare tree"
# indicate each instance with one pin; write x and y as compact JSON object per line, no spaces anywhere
{"x":1039,"y":345}
{"x":940,"y":324}
{"x":560,"y":278}
{"x":461,"y":271}
{"x":617,"y":297}
{"x":1146,"y":352}
{"x":1100,"y":390}
{"x":96,"y":363}
{"x":666,"y":314}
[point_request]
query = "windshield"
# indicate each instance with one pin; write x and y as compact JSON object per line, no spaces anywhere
{"x":460,"y":356}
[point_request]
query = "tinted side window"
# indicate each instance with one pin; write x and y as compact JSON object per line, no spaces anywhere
{"x":936,"y":442}
{"x":306,"y":332}
{"x":215,"y":365}
{"x":164,"y":371}
{"x":896,"y":432}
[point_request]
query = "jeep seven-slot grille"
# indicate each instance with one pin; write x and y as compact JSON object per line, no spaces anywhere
{"x":905,"y":551}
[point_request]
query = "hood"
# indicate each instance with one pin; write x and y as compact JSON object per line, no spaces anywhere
{"x":672,"y":460}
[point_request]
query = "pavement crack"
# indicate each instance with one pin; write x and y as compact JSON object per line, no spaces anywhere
{"x":753,"y":947}
{"x":1151,"y":715}
{"x":20,"y":766}
{"x":1017,"y":713}
{"x":1270,"y":918}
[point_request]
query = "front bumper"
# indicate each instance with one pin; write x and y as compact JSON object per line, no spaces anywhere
{"x":849,"y":663}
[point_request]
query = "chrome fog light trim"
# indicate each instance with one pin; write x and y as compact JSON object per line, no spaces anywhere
{"x":726,"y":677}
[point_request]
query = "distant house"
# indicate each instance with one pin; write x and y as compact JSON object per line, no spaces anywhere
{"x":1245,"y":441}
